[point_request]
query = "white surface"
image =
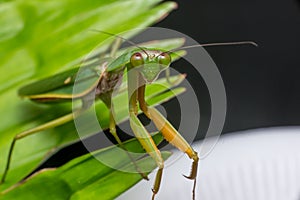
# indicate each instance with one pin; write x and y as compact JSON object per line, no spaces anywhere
{"x":261,"y":164}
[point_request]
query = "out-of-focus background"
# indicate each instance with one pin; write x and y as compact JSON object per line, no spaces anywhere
{"x":257,"y":164}
{"x":262,"y":84}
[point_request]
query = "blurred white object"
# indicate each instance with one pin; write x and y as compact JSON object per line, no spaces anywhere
{"x":260,"y":164}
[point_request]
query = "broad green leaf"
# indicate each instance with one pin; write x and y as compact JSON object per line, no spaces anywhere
{"x":40,"y":38}
{"x":86,"y":177}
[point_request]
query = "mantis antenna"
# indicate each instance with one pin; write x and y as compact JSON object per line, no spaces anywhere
{"x":117,"y":36}
{"x":185,"y":47}
{"x":218,"y":44}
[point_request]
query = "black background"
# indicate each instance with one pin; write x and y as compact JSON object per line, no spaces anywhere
{"x":262,"y":84}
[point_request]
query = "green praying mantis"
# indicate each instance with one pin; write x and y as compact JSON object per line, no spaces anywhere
{"x":143,"y":65}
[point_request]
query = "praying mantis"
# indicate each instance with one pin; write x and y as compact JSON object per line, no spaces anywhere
{"x":143,"y":65}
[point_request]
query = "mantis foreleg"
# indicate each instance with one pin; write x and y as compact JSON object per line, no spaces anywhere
{"x":168,"y":131}
{"x":139,"y":130}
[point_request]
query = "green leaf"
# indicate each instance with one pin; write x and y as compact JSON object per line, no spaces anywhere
{"x":86,"y":177}
{"x":40,"y":38}
{"x":50,"y":36}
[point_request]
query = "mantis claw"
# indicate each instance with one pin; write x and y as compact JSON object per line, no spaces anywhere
{"x":193,"y":173}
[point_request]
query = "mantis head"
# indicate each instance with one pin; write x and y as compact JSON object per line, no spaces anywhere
{"x":150,"y":63}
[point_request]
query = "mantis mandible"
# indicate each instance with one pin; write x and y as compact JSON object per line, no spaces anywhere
{"x":143,"y":66}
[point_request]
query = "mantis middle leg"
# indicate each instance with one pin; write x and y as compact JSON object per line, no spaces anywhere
{"x":112,"y":129}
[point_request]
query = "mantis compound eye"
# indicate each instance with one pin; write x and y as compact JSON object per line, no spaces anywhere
{"x":164,"y":59}
{"x":137,"y":59}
